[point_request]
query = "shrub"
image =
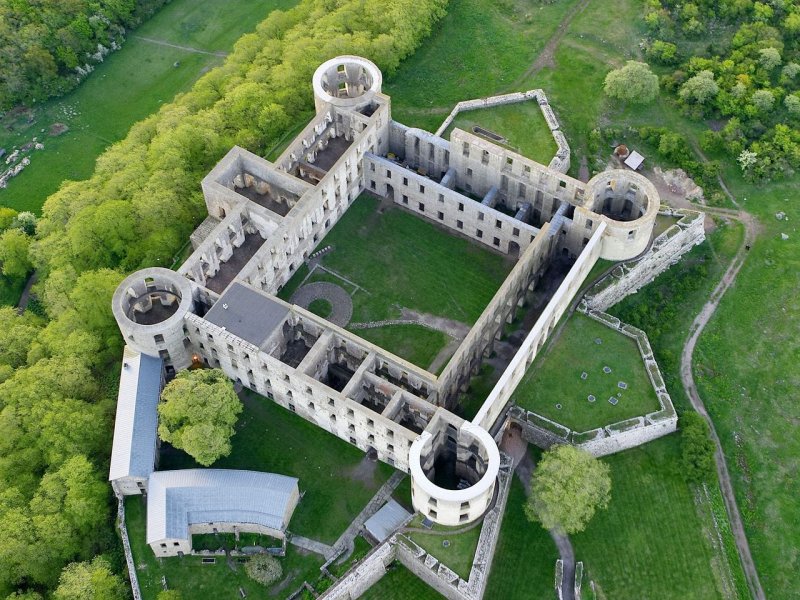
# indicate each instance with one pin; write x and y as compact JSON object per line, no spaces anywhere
{"x":264,"y":569}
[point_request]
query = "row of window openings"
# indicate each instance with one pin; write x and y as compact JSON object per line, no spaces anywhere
{"x":462,"y":518}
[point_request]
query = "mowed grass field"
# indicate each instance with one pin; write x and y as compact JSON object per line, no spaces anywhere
{"x":400,"y":584}
{"x":522,"y":124}
{"x":554,"y":378}
{"x":481,"y":48}
{"x":128,"y":86}
{"x":653,"y":541}
{"x":416,"y":344}
{"x":194,"y":579}
{"x":459,"y":552}
{"x":337,"y":478}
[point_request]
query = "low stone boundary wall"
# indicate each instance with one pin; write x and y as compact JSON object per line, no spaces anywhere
{"x":544,"y":433}
{"x":561,"y":161}
{"x":364,"y":575}
{"x":629,"y":277}
{"x":126,"y":544}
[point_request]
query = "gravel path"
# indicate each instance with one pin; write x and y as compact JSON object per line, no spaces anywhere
{"x":341,"y":303}
{"x":687,"y":378}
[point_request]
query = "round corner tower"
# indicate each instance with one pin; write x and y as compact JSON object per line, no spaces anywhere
{"x":347,"y":82}
{"x":149,"y":306}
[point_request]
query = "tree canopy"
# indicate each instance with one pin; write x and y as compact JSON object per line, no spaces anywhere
{"x":198,"y":414}
{"x":567,"y":488}
{"x":264,"y":568}
{"x":697,"y":448}
{"x":634,"y":83}
{"x":90,"y":581}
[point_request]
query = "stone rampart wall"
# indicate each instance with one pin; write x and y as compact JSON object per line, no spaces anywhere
{"x":629,"y":277}
{"x":366,"y":574}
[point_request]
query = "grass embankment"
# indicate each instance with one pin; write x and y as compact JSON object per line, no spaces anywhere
{"x":553,"y":386}
{"x":522,"y":125}
{"x":398,"y":260}
{"x":337,"y":479}
{"x":129,"y":85}
{"x":400,"y":584}
{"x":456,"y":550}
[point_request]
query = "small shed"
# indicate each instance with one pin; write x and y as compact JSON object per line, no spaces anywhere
{"x":384,"y":522}
{"x":634,"y":160}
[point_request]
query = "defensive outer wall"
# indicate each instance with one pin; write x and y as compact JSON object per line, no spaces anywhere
{"x":265,"y":219}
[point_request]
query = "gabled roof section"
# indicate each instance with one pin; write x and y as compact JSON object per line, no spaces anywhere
{"x":178,"y":499}
{"x":134,"y":451}
{"x":384,"y":522}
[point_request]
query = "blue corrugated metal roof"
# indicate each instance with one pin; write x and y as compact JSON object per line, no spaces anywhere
{"x":135,"y":430}
{"x":177,"y":499}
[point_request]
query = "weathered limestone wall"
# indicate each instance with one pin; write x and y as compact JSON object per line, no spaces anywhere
{"x":501,"y":394}
{"x":499,"y":311}
{"x":364,"y":575}
{"x":444,"y":206}
{"x":481,"y":165}
{"x":629,"y":277}
{"x":430,"y":570}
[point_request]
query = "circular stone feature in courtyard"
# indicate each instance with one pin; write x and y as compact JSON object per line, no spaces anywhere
{"x":446,"y":543}
{"x":591,"y":398}
{"x":324,"y":295}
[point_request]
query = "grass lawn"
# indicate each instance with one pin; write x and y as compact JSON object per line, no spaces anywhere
{"x":522,"y":125}
{"x":400,"y":260}
{"x":418,"y":345}
{"x":481,"y":48}
{"x":555,"y":378}
{"x":653,"y":541}
{"x":361,"y":548}
{"x":337,"y":479}
{"x":400,"y":584}
{"x":196,"y":580}
{"x":470,"y":402}
{"x":460,"y":551}
{"x":320,"y":307}
{"x":525,"y":559}
{"x":128,"y":86}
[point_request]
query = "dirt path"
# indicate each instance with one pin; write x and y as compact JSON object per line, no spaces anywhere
{"x":26,"y":294}
{"x":546,"y":57}
{"x":687,"y":378}
{"x":179,"y":47}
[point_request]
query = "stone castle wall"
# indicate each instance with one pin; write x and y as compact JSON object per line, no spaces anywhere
{"x":629,"y":277}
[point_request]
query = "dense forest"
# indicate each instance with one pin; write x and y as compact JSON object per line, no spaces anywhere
{"x":737,"y":63}
{"x":59,"y":370}
{"x":48,"y":46}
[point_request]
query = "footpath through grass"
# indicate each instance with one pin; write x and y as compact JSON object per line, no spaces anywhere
{"x":554,"y":388}
{"x":522,"y":125}
{"x":337,"y":478}
{"x":128,"y":86}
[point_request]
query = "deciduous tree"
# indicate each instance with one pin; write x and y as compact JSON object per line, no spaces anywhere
{"x":634,"y":83}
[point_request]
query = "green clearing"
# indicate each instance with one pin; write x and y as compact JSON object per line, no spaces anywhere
{"x":194,"y":579}
{"x":522,"y":125}
{"x":481,"y":48}
{"x":131,"y":84}
{"x":470,"y":402}
{"x":399,"y":260}
{"x":320,"y":307}
{"x":654,"y":540}
{"x":337,"y":479}
{"x":525,"y":560}
{"x":400,"y":584}
{"x":460,"y":549}
{"x":555,"y":378}
{"x":418,"y":345}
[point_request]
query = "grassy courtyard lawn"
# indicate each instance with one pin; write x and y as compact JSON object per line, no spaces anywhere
{"x":525,"y":559}
{"x":555,"y":378}
{"x":197,"y":580}
{"x":418,"y":345}
{"x":522,"y":124}
{"x":320,"y":307}
{"x":400,"y":584}
{"x":129,"y":85}
{"x":460,"y":549}
{"x":399,"y":260}
{"x":336,"y":477}
{"x":470,"y":402}
{"x":653,"y":540}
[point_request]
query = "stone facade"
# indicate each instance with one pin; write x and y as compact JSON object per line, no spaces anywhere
{"x":267,"y":218}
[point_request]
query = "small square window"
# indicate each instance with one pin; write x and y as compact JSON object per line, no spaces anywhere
{"x":159,"y":339}
{"x":479,"y":233}
{"x":461,"y":206}
{"x":350,"y":412}
{"x":480,"y":216}
{"x":421,"y":189}
{"x":372,"y":166}
{"x":498,"y":223}
{"x":421,"y":207}
{"x":460,"y":224}
{"x":405,"y":199}
{"x":441,"y":216}
{"x":291,"y":407}
{"x":469,"y":172}
{"x":589,"y":223}
{"x":515,"y":232}
{"x":496,"y":241}
{"x":405,"y":180}
{"x":372,"y":185}
{"x":441,"y":197}
{"x":388,"y":174}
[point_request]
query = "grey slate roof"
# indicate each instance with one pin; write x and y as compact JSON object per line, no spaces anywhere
{"x":177,"y":499}
{"x":384,"y":522}
{"x":134,"y":451}
{"x":247,"y":314}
